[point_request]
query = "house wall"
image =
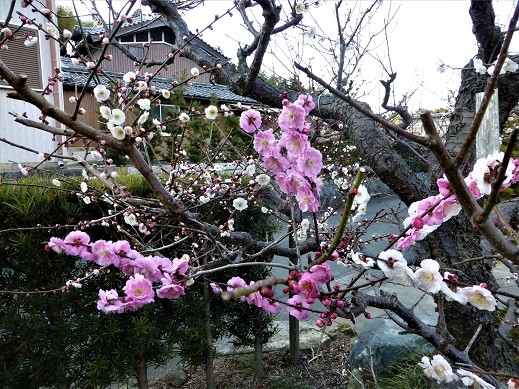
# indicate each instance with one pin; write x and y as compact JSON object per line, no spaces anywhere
{"x":37,"y":140}
{"x":178,"y":70}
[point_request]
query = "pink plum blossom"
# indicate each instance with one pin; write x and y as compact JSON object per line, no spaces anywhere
{"x":57,"y":245}
{"x":295,"y":143}
{"x":109,"y":301}
{"x":305,"y":101}
{"x":275,"y":163}
{"x":321,"y":273}
{"x":250,"y":121}
{"x":265,"y":142}
{"x":311,"y":163}
{"x":444,"y":186}
{"x":235,"y":282}
{"x":216,"y":288}
{"x":139,"y":290}
{"x":485,"y":172}
{"x":297,"y":307}
{"x":291,"y":182}
{"x":292,"y":117}
{"x":307,"y":201}
{"x":75,"y":242}
{"x":170,"y":291}
{"x":309,"y":286}
{"x":104,"y":252}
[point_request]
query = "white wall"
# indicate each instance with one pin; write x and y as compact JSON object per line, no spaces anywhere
{"x":12,"y":131}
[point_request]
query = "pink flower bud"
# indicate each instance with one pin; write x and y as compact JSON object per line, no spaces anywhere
{"x":7,"y":32}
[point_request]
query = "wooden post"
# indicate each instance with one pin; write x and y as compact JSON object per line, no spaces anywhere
{"x":487,"y":140}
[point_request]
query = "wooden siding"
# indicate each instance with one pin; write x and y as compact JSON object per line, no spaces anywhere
{"x":179,"y":70}
{"x":89,"y":103}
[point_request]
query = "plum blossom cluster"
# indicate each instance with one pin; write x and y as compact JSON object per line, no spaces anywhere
{"x":508,"y":66}
{"x":291,"y":158}
{"x":148,"y":275}
{"x":428,"y":214}
{"x":304,"y":288}
{"x":440,"y":370}
{"x":428,"y":278}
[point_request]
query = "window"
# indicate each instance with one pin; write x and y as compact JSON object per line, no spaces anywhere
{"x":169,"y":37}
{"x":156,"y":35}
{"x":162,"y":111}
{"x":142,"y":36}
{"x":22,"y":59}
{"x":127,"y":38}
{"x":138,"y":51}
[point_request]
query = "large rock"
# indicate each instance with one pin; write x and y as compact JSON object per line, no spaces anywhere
{"x":310,"y":336}
{"x":380,"y":343}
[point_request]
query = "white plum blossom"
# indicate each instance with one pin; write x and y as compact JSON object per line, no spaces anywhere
{"x":129,"y":77}
{"x":428,"y":277}
{"x":362,"y":196}
{"x":117,"y":116}
{"x":143,"y":117}
{"x":56,"y":182}
{"x":67,"y":34}
{"x":472,"y":380}
{"x":118,"y":132}
{"x":96,"y":155}
{"x":52,"y":31}
{"x":392,"y":263}
{"x":30,"y":41}
{"x":452,"y":292}
{"x":485,"y":172}
{"x":142,"y":86}
{"x":195,"y":72}
{"x":101,"y":93}
{"x":264,"y":210}
{"x":105,"y":112}
{"x":438,"y":369}
{"x":184,"y":118}
{"x":131,"y":219}
{"x":299,"y":7}
{"x":363,"y":260}
{"x":144,"y":104}
{"x":263,"y":179}
{"x":311,"y":32}
{"x":508,"y":66}
{"x":211,"y":112}
{"x":478,"y":66}
{"x":240,"y":204}
{"x":480,"y":297}
{"x":83,"y":186}
{"x":165,"y":93}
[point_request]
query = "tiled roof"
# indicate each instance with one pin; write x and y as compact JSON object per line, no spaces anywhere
{"x":78,"y":76}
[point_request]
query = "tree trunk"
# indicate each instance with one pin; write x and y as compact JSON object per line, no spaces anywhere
{"x":141,"y":371}
{"x":258,"y":357}
{"x":209,"y":356}
{"x":293,"y":323}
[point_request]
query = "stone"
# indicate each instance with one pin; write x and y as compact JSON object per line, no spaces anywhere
{"x":310,"y":336}
{"x":380,"y":344}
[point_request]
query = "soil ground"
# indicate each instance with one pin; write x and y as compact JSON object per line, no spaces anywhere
{"x":324,"y":369}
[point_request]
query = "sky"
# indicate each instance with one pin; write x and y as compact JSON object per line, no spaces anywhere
{"x":422,"y":35}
